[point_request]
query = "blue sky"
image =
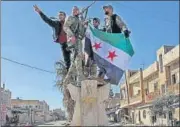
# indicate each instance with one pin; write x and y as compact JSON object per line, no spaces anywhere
{"x":27,"y":39}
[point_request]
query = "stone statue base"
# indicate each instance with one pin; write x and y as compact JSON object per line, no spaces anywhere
{"x":90,"y":107}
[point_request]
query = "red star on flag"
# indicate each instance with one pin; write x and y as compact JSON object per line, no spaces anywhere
{"x":97,"y":45}
{"x":112,"y":55}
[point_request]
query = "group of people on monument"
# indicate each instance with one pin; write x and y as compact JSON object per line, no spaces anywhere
{"x":70,"y":33}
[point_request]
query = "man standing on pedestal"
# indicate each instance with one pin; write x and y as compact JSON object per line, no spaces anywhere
{"x":113,"y":24}
{"x":75,"y":31}
{"x":59,"y":35}
{"x":90,"y":67}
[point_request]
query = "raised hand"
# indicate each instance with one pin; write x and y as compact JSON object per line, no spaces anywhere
{"x":127,"y":33}
{"x":36,"y":8}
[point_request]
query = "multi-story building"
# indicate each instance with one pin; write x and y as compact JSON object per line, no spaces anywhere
{"x":34,"y":110}
{"x":144,"y":86}
{"x":5,"y":104}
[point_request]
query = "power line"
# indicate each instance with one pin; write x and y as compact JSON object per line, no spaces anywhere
{"x":26,"y":65}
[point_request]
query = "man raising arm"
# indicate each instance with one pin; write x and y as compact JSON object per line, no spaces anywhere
{"x":59,"y":36}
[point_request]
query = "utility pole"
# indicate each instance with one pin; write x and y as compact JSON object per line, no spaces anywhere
{"x":127,"y":87}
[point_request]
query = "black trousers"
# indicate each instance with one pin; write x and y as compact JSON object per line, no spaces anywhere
{"x":66,"y":55}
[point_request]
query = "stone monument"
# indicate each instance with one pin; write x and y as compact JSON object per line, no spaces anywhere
{"x":89,"y":100}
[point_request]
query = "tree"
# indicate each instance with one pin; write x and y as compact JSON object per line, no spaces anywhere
{"x":67,"y":100}
{"x":163,"y":105}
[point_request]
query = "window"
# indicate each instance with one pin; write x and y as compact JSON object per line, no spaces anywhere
{"x":155,"y":86}
{"x":161,"y":63}
{"x":173,"y":79}
{"x":144,"y":114}
{"x":147,"y":91}
{"x":154,"y":119}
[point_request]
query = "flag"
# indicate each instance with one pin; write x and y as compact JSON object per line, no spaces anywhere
{"x":111,"y":51}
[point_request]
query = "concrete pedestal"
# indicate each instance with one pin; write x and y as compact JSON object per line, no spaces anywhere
{"x":89,"y":107}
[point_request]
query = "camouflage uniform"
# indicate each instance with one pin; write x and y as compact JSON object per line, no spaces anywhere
{"x":74,"y":27}
{"x":119,"y":22}
{"x":114,"y":22}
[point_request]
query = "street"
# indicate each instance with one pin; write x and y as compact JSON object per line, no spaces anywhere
{"x":62,"y":123}
{"x":54,"y":123}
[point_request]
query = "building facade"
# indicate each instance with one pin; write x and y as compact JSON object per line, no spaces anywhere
{"x":112,"y":107}
{"x":5,"y":104}
{"x":34,"y":111}
{"x":142,"y":87}
{"x":59,"y":114}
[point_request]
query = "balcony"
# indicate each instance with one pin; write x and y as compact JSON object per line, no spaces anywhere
{"x":174,"y":89}
{"x":134,"y":78}
{"x":152,"y":96}
{"x":123,"y":102}
{"x":150,"y":70}
{"x":135,"y":99}
{"x":171,"y":56}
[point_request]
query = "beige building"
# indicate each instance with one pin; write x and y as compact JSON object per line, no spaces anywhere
{"x":144,"y":86}
{"x":34,"y":110}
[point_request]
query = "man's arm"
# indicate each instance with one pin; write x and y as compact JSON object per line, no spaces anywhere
{"x":120,"y":23}
{"x":49,"y":21}
{"x":122,"y":26}
{"x":67,"y":25}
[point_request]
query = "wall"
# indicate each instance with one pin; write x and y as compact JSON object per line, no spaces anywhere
{"x":176,"y":113}
{"x":49,"y":117}
{"x":24,"y":118}
{"x":174,"y":69}
{"x":145,"y":120}
{"x":161,"y":121}
{"x":162,"y":75}
{"x":135,"y":90}
{"x":39,"y":118}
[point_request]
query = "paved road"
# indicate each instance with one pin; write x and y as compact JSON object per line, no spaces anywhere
{"x":54,"y":123}
{"x":62,"y":123}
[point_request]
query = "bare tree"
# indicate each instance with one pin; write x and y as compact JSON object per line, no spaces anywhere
{"x":163,"y":105}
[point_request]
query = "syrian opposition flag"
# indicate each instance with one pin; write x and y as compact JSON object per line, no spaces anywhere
{"x":111,"y":51}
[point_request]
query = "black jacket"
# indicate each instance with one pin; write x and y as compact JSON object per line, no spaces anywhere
{"x":114,"y":26}
{"x":55,"y":24}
